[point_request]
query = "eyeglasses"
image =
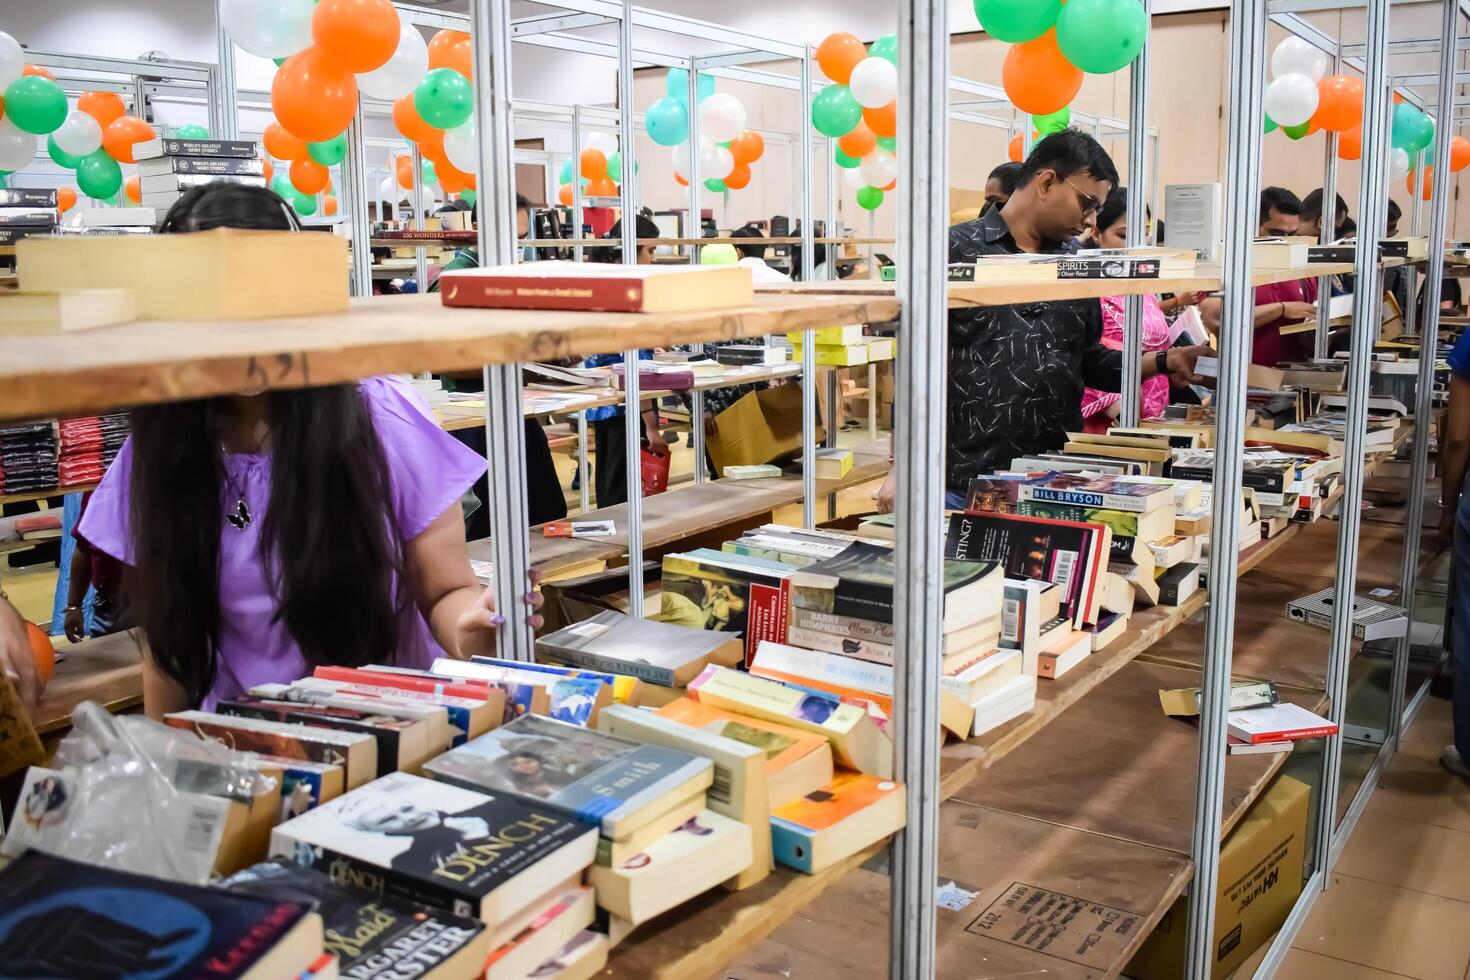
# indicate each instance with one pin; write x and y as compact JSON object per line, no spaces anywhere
{"x":1090,"y":204}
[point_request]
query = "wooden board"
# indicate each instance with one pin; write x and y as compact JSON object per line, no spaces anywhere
{"x":552,"y":555}
{"x":15,"y":498}
{"x":150,"y":362}
{"x":1043,"y":900}
{"x":10,"y":539}
{"x":107,"y":669}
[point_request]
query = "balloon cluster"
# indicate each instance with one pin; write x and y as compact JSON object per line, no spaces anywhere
{"x":597,"y":168}
{"x":860,"y":111}
{"x":726,"y":147}
{"x":1302,"y":98}
{"x":1051,"y":122}
{"x":92,"y":139}
{"x":1053,"y":44}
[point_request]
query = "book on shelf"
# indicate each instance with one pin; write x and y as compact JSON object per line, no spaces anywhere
{"x":355,"y":752}
{"x":614,"y":783}
{"x":655,"y":652}
{"x":857,"y":740}
{"x":739,"y":788}
{"x":739,"y":355}
{"x":988,"y":269}
{"x":796,"y":761}
{"x":13,"y":234}
{"x":1280,"y":253}
{"x":566,"y":914}
{"x":1371,"y":619}
{"x":1028,"y":606}
{"x":175,"y":147}
{"x":516,"y":698}
{"x":571,"y":695}
{"x":1184,"y":702}
{"x":1111,"y":626}
{"x":1236,"y":746}
{"x":978,"y":679}
{"x":789,"y":546}
{"x":1153,"y":458}
{"x":317,"y":695}
{"x":38,"y":527}
{"x":844,"y":627}
{"x":442,"y":846}
{"x":833,"y":464}
{"x":373,"y":937}
{"x":304,"y":784}
{"x":403,"y":743}
{"x":26,"y":217}
{"x":1279,"y":722}
{"x":1141,"y":578}
{"x":465,"y":717}
{"x":837,"y":821}
{"x":996,"y":493}
{"x":595,"y":286}
{"x":1178,"y":583}
{"x":582,"y":957}
{"x":727,"y":593}
{"x":67,"y":919}
{"x":1131,"y":531}
{"x":653,"y":376}
{"x":1046,"y":463}
{"x":1174,"y":437}
{"x":1069,"y":553}
{"x":1174,"y":549}
{"x":1006,"y":703}
{"x":1112,"y":494}
{"x":1066,"y":652}
{"x":705,"y":851}
{"x":552,"y":377}
{"x":224,"y":166}
{"x":28,"y":197}
{"x":869,"y":650}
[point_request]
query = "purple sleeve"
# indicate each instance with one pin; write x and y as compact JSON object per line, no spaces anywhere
{"x":430,"y":469}
{"x":105,"y":524}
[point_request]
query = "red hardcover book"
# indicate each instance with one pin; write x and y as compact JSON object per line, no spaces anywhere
{"x":1283,"y":722}
{"x":598,"y":286}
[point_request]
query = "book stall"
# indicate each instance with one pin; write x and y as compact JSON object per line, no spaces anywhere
{"x":1113,"y":715}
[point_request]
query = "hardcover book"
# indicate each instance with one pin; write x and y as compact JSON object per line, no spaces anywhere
{"x":1113,"y":494}
{"x":612,"y":782}
{"x":652,"y":651}
{"x":1071,"y":554}
{"x":60,"y":918}
{"x":445,"y":847}
{"x":201,"y":165}
{"x":595,"y":286}
{"x":859,"y":583}
{"x":836,"y":821}
{"x":149,"y":149}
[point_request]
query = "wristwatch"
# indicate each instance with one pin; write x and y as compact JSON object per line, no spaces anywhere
{"x":1161,"y":362}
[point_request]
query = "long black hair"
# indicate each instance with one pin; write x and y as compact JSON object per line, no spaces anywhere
{"x":330,"y":544}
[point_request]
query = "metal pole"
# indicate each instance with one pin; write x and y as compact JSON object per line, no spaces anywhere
{"x":1367,"y":310}
{"x":582,"y":468}
{"x":1154,"y":196}
{"x":632,"y":401}
{"x":919,"y":444}
{"x":696,"y":226}
{"x":224,"y":121}
{"x":420,"y":252}
{"x":577,"y":186}
{"x":1247,"y":69}
{"x":696,"y":432}
{"x":1132,"y":389}
{"x":1416,"y":224}
{"x":1328,"y":233}
{"x":808,"y":337}
{"x":505,"y":431}
{"x":1428,"y":348}
{"x":355,"y":208}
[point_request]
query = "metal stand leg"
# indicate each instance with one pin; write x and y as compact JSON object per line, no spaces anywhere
{"x":808,"y":337}
{"x":583,"y":470}
{"x":834,"y":409}
{"x":872,"y":401}
{"x":696,"y":433}
{"x":1132,"y":389}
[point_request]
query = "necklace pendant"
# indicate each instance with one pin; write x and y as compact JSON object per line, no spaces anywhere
{"x":241,"y":518}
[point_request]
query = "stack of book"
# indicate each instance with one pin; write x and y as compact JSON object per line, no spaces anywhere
{"x":110,"y":221}
{"x":840,"y":346}
{"x":169,"y":167}
{"x":26,"y":211}
{"x":88,"y":446}
{"x":727,"y":592}
{"x":742,"y":355}
{"x":28,"y":457}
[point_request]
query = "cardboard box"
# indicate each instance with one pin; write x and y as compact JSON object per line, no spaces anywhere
{"x":1260,"y":879}
{"x":759,"y":428}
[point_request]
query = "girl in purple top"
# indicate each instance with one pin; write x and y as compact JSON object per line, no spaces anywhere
{"x":272,"y":532}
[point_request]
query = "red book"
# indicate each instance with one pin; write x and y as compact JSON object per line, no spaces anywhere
{"x":423,"y":683}
{"x":598,"y":286}
{"x":1284,"y":722}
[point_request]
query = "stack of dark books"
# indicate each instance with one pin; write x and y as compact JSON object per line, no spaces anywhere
{"x":26,"y":211}
{"x":169,"y":167}
{"x":28,"y":457}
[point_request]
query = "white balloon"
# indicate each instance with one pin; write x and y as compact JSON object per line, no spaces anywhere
{"x":79,"y":134}
{"x":1291,"y":99}
{"x":721,"y":118}
{"x":12,"y":59}
{"x":874,"y":82}
{"x":715,"y":161}
{"x":1295,"y":56}
{"x":268,"y":28}
{"x":878,"y":168}
{"x":853,"y":178}
{"x":462,"y":146}
{"x":388,"y":190}
{"x":1398,"y":164}
{"x":680,"y":155}
{"x":17,"y":148}
{"x":606,"y":142}
{"x":403,"y":72}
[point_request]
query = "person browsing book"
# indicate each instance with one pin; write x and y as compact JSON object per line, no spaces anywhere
{"x":1017,"y":374}
{"x":268,"y":532}
{"x":1281,"y":304}
{"x":1001,"y":184}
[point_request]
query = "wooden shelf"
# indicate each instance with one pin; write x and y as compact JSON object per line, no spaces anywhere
{"x":10,"y":539}
{"x":106,"y":669}
{"x":16,"y":498}
{"x":161,"y":361}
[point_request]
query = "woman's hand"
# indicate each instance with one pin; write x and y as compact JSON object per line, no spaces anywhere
{"x":15,"y":656}
{"x":656,"y":443}
{"x":884,"y":494}
{"x":72,"y":622}
{"x":477,"y":629}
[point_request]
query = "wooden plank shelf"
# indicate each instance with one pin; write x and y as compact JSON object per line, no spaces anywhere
{"x":105,"y":669}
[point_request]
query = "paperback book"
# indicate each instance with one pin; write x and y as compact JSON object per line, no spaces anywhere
{"x":1070,"y":554}
{"x":850,"y":813}
{"x":727,"y":593}
{"x":653,"y":651}
{"x":859,"y":583}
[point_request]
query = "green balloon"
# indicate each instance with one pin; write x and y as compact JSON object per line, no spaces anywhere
{"x":835,"y":112}
{"x":1270,"y":124}
{"x":719,"y":254}
{"x":886,"y":47}
{"x":1017,"y":20}
{"x":846,"y":162}
{"x":1296,"y":132}
{"x":869,"y":198}
{"x":304,"y":203}
{"x":1423,"y":135}
{"x":35,"y":104}
{"x":615,"y":165}
{"x":1405,"y":127}
{"x":444,"y":99}
{"x":328,"y":153}
{"x":62,"y":158}
{"x":1052,"y":122}
{"x":566,"y":172}
{"x":193,"y":131}
{"x":468,"y":196}
{"x":889,"y":143}
{"x":279,"y":61}
{"x":1101,"y":36}
{"x":430,"y":176}
{"x":281,"y":184}
{"x":98,"y":175}
{"x":717,"y":186}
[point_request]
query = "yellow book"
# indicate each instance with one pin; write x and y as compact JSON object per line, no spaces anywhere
{"x":836,"y":355}
{"x":833,"y":464}
{"x":850,"y":334}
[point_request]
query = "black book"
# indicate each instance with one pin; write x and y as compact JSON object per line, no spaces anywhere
{"x":14,"y":233}
{"x":374,"y":938}
{"x":1066,"y":553}
{"x":154,"y":148}
{"x":27,"y":197}
{"x":858,"y":582}
{"x":28,"y":217}
{"x":1267,"y":478}
{"x":200,"y":165}
{"x":61,"y":918}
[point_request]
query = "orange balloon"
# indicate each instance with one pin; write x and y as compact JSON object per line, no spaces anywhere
{"x":441,"y":48}
{"x":1016,"y":148}
{"x":313,"y":98}
{"x":37,"y":70}
{"x":409,"y":122}
{"x":1397,"y":98}
{"x":42,"y":652}
{"x":593,"y":164}
{"x":1428,"y":182}
{"x":1314,"y":125}
{"x":858,"y":142}
{"x":1459,"y":153}
{"x":883,"y":121}
{"x":308,"y":176}
{"x":102,"y":106}
{"x":134,"y":189}
{"x":432,"y":146}
{"x":602,"y":187}
{"x":679,"y":179}
{"x":739,"y":177}
{"x":748,"y":147}
{"x":449,"y":179}
{"x":329,"y":189}
{"x":1038,"y":78}
{"x":358,"y":35}
{"x":890,"y":185}
{"x":1350,"y":143}
{"x":1339,"y":103}
{"x":564,"y":195}
{"x":838,"y":55}
{"x":329,"y":205}
{"x":281,"y":144}
{"x":403,"y":169}
{"x":66,"y":199}
{"x":120,"y":135}
{"x":269,"y":170}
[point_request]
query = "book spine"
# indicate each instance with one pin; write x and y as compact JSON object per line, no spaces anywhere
{"x":31,"y":219}
{"x":1323,"y":621}
{"x":26,"y":197}
{"x":1293,"y":734}
{"x":241,"y":149}
{"x":1084,"y":498}
{"x":353,"y":873}
{"x":878,"y":653}
{"x":209,"y":165}
{"x":841,"y":626}
{"x":662,"y":676}
{"x":543,"y":293}
{"x":1107,"y":269}
{"x":9,"y":236}
{"x":767,"y":610}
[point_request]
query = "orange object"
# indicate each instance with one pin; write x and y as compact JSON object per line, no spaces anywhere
{"x":449,"y":178}
{"x":678,"y":179}
{"x":1428,"y":182}
{"x":43,"y":652}
{"x":134,"y":189}
{"x":1339,"y":103}
{"x":358,"y":35}
{"x":1459,"y":153}
{"x":403,"y":170}
{"x":593,"y":163}
{"x":329,"y":205}
{"x":308,"y":176}
{"x":1038,"y":78}
{"x":564,"y":195}
{"x":313,"y":98}
{"x":268,"y":170}
{"x":1016,"y":148}
{"x":1350,"y":143}
{"x":431,"y":147}
{"x":66,"y":199}
{"x":37,"y":70}
{"x":408,"y":120}
{"x":120,"y":135}
{"x":602,"y":187}
{"x":452,"y":49}
{"x":281,"y":144}
{"x":738,"y":178}
{"x":857,"y":143}
{"x":748,"y":147}
{"x":890,"y":185}
{"x":838,"y":55}
{"x":883,"y":121}
{"x":102,"y":106}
